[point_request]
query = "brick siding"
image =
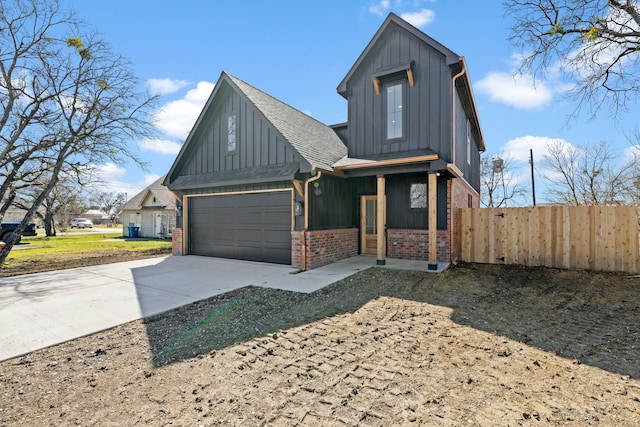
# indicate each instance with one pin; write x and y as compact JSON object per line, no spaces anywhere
{"x":323,"y":247}
{"x":414,"y":244}
{"x":176,"y":242}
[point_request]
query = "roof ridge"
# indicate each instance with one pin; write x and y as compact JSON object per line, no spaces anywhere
{"x":235,"y":78}
{"x":316,"y":142}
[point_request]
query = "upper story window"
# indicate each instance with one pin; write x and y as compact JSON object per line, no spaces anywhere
{"x":395,"y":110}
{"x":231,"y":133}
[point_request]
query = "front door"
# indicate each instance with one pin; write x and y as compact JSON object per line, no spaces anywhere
{"x":159,"y":227}
{"x":369,"y":225}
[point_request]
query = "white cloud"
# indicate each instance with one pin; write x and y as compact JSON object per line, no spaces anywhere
{"x":516,"y":151}
{"x":379,"y":8}
{"x":176,"y":118}
{"x":632,"y":153}
{"x":518,"y":148}
{"x":520,"y":91}
{"x":115,"y":185}
{"x":420,"y":18}
{"x":166,"y":86}
{"x":132,"y":189}
{"x":107,"y":178}
{"x":162,"y":146}
{"x":148,"y":180}
{"x":109,"y":172}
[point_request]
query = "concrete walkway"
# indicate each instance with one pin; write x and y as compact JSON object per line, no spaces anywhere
{"x":40,"y":310}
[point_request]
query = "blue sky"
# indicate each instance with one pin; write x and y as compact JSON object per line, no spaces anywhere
{"x":299,"y":51}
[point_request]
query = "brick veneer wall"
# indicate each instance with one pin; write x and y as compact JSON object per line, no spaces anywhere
{"x":176,"y":241}
{"x":324,"y":247}
{"x":414,"y":244}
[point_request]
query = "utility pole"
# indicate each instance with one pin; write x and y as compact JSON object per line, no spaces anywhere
{"x":533,"y":182}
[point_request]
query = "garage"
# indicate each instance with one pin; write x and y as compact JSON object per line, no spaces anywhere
{"x":254,"y":226}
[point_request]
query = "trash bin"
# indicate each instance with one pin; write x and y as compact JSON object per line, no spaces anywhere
{"x":133,"y":231}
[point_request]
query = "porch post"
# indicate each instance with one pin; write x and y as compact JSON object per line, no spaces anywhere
{"x":381,"y":221}
{"x":433,"y":221}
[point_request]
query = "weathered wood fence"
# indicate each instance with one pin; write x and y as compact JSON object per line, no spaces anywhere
{"x":604,"y":238}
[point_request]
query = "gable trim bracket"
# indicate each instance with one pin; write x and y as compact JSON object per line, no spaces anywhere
{"x":387,"y":71}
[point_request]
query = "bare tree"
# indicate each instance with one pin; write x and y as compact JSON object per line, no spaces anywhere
{"x":588,"y":176}
{"x":595,"y":43}
{"x":105,"y":201}
{"x":70,"y":103}
{"x":499,"y":184}
{"x":64,"y":197}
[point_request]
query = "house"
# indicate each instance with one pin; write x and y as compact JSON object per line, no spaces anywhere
{"x":153,"y":210}
{"x":96,"y":216}
{"x":260,"y":180}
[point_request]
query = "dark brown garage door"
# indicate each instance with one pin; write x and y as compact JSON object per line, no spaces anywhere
{"x":255,"y":227}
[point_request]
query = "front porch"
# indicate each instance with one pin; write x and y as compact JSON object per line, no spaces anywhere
{"x":408,"y":248}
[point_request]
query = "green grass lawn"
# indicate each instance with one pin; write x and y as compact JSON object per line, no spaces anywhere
{"x":77,"y":246}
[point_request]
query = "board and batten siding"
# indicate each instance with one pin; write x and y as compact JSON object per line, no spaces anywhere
{"x":428,"y":111}
{"x":470,"y":167}
{"x":258,"y":143}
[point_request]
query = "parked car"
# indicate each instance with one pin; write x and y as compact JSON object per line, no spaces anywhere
{"x":6,"y":229}
{"x":81,"y":223}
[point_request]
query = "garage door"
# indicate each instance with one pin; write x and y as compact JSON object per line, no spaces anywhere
{"x":255,"y":227}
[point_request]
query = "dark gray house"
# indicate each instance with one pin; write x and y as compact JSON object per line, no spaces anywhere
{"x":260,"y":180}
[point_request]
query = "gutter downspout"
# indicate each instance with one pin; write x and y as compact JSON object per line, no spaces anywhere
{"x":453,"y":109}
{"x":453,"y":157}
{"x":306,"y":218}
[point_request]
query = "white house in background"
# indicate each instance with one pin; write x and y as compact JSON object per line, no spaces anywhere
{"x":153,"y":210}
{"x":96,"y":216}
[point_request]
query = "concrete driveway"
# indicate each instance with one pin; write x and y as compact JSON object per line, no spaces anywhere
{"x":44,"y":309}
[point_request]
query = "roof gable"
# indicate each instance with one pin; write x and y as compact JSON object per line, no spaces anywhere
{"x":391,"y":21}
{"x":456,"y":67}
{"x":316,"y":142}
{"x":164,"y":197}
{"x":316,"y":145}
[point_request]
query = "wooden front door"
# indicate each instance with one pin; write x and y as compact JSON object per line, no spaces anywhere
{"x":369,"y":224}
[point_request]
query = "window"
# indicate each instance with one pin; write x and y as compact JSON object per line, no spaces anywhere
{"x":468,"y":142}
{"x":418,"y":196}
{"x":231,"y":133}
{"x":395,"y":110}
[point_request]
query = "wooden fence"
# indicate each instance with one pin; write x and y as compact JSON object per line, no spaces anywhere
{"x":604,"y":238}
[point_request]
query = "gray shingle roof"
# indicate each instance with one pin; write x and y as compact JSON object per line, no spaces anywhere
{"x":164,"y":197}
{"x":315,"y":141}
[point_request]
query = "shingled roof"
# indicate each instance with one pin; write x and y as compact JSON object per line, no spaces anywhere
{"x":164,"y":197}
{"x":314,"y":141}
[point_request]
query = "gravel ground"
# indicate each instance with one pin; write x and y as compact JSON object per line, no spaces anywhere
{"x":475,"y":345}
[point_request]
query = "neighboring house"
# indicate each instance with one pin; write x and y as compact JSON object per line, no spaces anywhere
{"x":153,"y":210}
{"x":96,"y":216}
{"x":260,"y":180}
{"x":14,"y":214}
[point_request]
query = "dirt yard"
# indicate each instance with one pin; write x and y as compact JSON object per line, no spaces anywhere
{"x":476,"y":345}
{"x":78,"y":260}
